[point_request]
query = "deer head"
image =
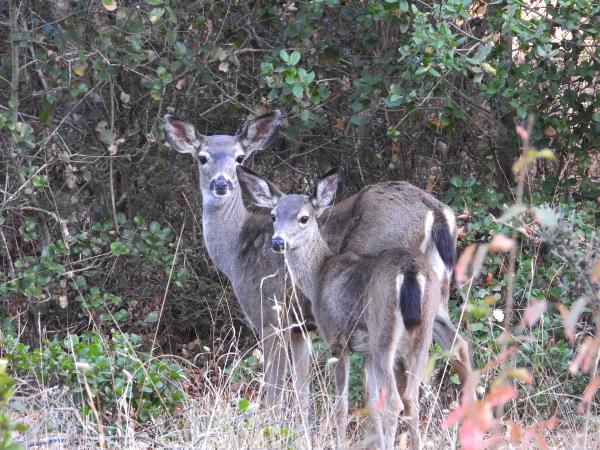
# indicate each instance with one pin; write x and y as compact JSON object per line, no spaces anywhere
{"x":219,"y":155}
{"x":294,"y":216}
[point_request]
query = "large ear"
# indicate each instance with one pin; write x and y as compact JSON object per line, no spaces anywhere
{"x":181,"y":135}
{"x":328,"y":188}
{"x":263,"y":193}
{"x":259,"y":133}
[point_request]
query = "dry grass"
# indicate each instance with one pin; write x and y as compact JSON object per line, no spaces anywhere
{"x":212,"y":418}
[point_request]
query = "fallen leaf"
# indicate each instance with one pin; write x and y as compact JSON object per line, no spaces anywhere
{"x":224,"y":67}
{"x":488,"y":280}
{"x":181,"y":84}
{"x":79,"y":69}
{"x":550,"y":132}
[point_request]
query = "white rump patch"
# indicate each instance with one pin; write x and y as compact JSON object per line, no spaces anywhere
{"x":428,"y":226}
{"x":450,"y":220}
{"x":436,"y":262}
{"x":399,"y":281}
{"x":421,"y":281}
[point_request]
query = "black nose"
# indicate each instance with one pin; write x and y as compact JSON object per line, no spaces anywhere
{"x":220,"y":185}
{"x":278,"y":244}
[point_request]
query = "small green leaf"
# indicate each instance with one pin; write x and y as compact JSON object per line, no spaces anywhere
{"x":297,"y":90}
{"x":294,"y":58}
{"x":156,"y":14}
{"x":152,"y":317}
{"x":243,"y":405}
{"x":284,"y":55}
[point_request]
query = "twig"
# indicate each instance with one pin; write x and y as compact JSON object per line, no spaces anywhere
{"x":110,"y":161}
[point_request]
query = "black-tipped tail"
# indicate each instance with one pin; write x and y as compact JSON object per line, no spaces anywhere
{"x":409,"y":300}
{"x":444,"y":241}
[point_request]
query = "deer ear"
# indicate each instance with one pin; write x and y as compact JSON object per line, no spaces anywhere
{"x":259,"y":133}
{"x":327,"y":189}
{"x":261,"y":192}
{"x":181,"y":135}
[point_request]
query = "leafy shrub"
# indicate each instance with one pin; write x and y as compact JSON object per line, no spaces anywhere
{"x":117,"y":371}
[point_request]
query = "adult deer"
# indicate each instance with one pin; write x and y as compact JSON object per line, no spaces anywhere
{"x":239,"y":243}
{"x":382,"y":306}
{"x":382,"y":216}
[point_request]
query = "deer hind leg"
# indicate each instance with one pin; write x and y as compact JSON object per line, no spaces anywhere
{"x":444,"y":331}
{"x":415,"y":362}
{"x":275,"y":363}
{"x":384,"y":400}
{"x":445,"y":334}
{"x":342,"y":373}
{"x":300,"y":343}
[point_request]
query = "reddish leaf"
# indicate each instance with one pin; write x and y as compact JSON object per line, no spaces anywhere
{"x":470,"y":435}
{"x":488,"y":280}
{"x":514,"y":431}
{"x":534,"y":312}
{"x":501,"y":243}
{"x":522,"y":132}
{"x":499,"y":395}
{"x":589,"y":393}
{"x":500,"y":358}
{"x":461,"y":266}
{"x":572,"y":316}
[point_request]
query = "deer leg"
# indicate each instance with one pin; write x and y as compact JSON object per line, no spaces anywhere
{"x":300,"y":343}
{"x":342,"y":372}
{"x":384,"y":401}
{"x":415,"y":363}
{"x":445,"y":334}
{"x":275,"y":363}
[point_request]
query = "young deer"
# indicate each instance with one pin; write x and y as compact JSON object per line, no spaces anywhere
{"x":382,"y":216}
{"x":381,"y":306}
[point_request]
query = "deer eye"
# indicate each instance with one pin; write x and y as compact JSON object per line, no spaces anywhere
{"x":240,"y":159}
{"x":202,"y":159}
{"x":273,"y":217}
{"x":304,"y":220}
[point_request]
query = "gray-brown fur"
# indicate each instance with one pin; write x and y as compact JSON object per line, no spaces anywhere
{"x":237,"y":241}
{"x":355,"y":301}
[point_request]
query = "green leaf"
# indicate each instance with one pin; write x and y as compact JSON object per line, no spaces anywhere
{"x":155,"y":14}
{"x":297,"y":90}
{"x":294,"y":58}
{"x":358,"y":120}
{"x":284,"y":55}
{"x":40,"y":180}
{"x":152,"y":317}
{"x":155,"y":2}
{"x":243,"y":405}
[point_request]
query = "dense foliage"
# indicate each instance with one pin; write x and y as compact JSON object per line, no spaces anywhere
{"x":102,"y":258}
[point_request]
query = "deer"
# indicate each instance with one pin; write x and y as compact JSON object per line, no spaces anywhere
{"x":385,"y":215}
{"x":382,"y":306}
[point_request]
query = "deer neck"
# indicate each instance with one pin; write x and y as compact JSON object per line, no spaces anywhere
{"x":223,"y":220}
{"x":305,"y":264}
